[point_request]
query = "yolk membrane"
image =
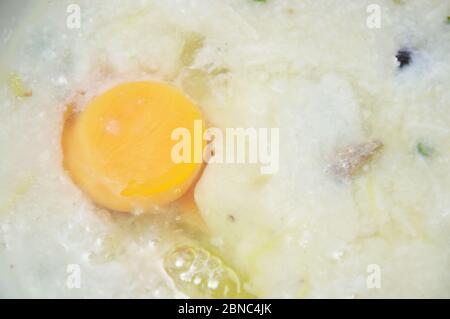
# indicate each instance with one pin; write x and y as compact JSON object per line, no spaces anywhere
{"x":118,"y":149}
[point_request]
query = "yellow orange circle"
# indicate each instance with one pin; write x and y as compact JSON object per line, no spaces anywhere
{"x":119,"y":148}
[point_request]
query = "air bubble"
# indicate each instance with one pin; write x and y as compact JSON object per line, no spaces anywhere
{"x":199,"y":274}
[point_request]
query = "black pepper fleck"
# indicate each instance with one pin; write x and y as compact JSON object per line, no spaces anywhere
{"x":404,"y":57}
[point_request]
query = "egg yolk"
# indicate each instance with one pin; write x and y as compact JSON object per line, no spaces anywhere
{"x":118,"y":149}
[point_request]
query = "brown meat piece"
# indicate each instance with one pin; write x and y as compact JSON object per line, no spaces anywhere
{"x":350,"y":159}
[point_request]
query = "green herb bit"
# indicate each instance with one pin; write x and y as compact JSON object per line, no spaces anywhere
{"x":19,"y":192}
{"x":17,"y":86}
{"x":193,"y":43}
{"x":424,"y":149}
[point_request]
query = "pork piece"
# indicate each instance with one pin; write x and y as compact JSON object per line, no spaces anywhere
{"x":351,"y":159}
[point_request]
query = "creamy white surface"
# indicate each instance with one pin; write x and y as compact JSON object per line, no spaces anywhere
{"x":311,"y":68}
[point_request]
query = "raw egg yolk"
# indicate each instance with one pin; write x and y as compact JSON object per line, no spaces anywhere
{"x":118,"y":149}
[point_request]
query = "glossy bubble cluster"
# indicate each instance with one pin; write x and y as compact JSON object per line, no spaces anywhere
{"x":199,"y":274}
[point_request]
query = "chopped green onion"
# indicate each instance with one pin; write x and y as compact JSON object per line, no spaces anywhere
{"x":424,"y":150}
{"x":260,"y":0}
{"x":193,"y":43}
{"x":18,"y":193}
{"x":17,"y":86}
